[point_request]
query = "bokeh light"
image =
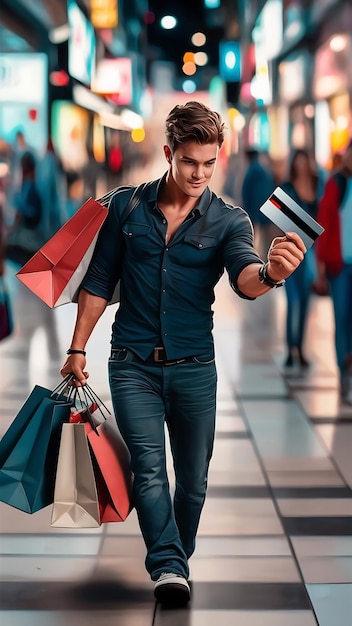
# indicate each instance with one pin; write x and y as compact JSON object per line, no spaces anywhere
{"x":138,"y":135}
{"x":198,"y":39}
{"x":189,"y":68}
{"x":189,"y":86}
{"x":168,"y":22}
{"x":188,"y":57}
{"x":201,"y":58}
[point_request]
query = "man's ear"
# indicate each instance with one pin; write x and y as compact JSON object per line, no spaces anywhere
{"x":168,"y":154}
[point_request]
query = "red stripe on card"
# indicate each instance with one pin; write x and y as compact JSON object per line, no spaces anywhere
{"x":278,"y":206}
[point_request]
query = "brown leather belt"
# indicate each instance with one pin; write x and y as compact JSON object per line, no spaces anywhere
{"x":159,"y":356}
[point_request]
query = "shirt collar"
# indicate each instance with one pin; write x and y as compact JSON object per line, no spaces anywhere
{"x":153,"y":192}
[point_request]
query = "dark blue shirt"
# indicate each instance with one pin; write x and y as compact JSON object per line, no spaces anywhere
{"x":167,"y":291}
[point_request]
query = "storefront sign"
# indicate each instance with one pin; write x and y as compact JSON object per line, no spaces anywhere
{"x":18,"y":73}
{"x":294,"y":77}
{"x":332,"y":71}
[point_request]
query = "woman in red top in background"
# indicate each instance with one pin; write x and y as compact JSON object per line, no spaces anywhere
{"x":334,"y":256}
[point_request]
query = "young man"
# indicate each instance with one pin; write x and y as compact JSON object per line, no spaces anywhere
{"x":169,"y":256}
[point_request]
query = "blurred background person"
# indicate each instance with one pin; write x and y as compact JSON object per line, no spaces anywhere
{"x":25,"y":237}
{"x":50,"y":181}
{"x":90,"y":174}
{"x":75,"y":193}
{"x":258,"y":183}
{"x":302,"y":186}
{"x":17,"y":149}
{"x":334,"y":255}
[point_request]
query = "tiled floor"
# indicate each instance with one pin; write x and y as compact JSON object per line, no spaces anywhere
{"x":275,"y":538}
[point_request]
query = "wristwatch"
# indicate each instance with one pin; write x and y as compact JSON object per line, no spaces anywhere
{"x":265,"y":279}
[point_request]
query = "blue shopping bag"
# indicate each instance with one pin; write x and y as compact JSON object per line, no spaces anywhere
{"x":29,"y":450}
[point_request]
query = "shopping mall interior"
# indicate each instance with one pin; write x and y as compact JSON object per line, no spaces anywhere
{"x":88,"y":85}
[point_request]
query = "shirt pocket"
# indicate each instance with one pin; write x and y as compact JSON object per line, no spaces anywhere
{"x":199,"y":249}
{"x":137,"y":239}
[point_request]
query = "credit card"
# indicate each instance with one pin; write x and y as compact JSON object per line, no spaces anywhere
{"x":285,"y":213}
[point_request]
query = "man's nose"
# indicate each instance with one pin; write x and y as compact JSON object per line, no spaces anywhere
{"x":198,"y":172}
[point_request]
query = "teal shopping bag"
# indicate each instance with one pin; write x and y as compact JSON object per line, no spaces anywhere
{"x":29,"y":451}
{"x":21,"y":420}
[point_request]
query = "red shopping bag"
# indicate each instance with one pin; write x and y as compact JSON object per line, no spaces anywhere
{"x":55,"y":272}
{"x":111,"y":463}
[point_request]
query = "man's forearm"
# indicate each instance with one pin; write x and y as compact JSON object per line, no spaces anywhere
{"x":248,"y":281}
{"x":90,"y":309}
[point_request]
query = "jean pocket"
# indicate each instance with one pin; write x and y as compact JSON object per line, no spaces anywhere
{"x":203,"y":359}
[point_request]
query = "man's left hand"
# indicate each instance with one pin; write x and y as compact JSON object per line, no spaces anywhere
{"x":284,"y":256}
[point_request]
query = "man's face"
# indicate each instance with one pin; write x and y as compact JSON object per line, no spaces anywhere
{"x":192,"y":166}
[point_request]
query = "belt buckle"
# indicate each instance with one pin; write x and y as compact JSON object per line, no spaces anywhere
{"x":156,"y":354}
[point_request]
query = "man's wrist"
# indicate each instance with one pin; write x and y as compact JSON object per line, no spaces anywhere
{"x":266,"y":279}
{"x":75,"y":351}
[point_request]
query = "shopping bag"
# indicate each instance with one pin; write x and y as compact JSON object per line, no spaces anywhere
{"x":6,"y":319}
{"x":56,"y":271}
{"x":75,"y":496}
{"x":110,"y":456}
{"x":112,"y":468}
{"x":29,"y":451}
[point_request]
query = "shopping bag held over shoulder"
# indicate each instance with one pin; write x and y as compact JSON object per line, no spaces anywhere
{"x":56,"y":271}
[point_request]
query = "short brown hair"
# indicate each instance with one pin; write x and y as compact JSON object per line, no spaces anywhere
{"x":193,"y":121}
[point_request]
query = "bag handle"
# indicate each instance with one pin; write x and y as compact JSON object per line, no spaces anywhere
{"x":133,"y":202}
{"x":63,"y":386}
{"x":89,"y":396}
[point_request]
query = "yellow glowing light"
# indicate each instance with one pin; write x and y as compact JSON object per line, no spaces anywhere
{"x":198,"y":39}
{"x":138,"y":135}
{"x":189,"y":69}
{"x":188,"y":57}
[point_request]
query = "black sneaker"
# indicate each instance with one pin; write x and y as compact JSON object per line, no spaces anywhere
{"x":172,"y":589}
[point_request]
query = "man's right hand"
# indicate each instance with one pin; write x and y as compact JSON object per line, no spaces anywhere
{"x":75,"y":364}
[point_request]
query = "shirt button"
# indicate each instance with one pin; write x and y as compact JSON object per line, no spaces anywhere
{"x":130,"y":234}
{"x":200,"y":245}
{"x":165,"y":334}
{"x":163,"y":290}
{"x":164,"y":312}
{"x":164,"y":270}
{"x":164,"y":221}
{"x":167,"y":249}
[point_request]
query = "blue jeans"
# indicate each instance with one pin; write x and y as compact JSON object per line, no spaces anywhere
{"x":145,"y":396}
{"x":298,"y":292}
{"x":341,"y":294}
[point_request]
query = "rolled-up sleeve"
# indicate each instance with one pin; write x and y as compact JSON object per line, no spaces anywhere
{"x":104,"y":270}
{"x":238,"y":247}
